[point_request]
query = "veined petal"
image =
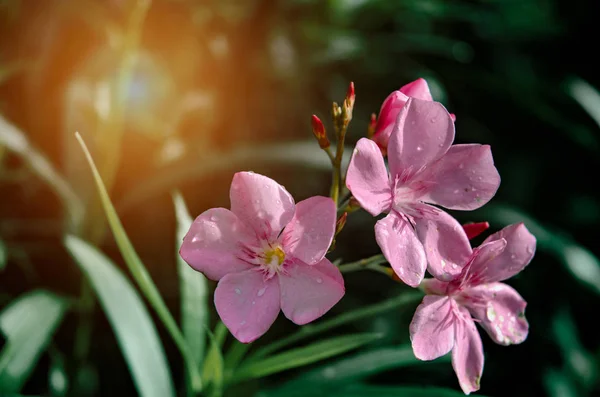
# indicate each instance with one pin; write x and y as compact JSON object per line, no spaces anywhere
{"x":261,"y":203}
{"x":367,"y":178}
{"x":213,"y":245}
{"x":467,"y":354}
{"x":478,"y":271}
{"x":503,"y":313}
{"x":446,"y":244}
{"x":520,"y":248}
{"x":309,"y":234}
{"x":401,"y":247}
{"x":309,"y":291}
{"x":423,"y":132}
{"x":247,"y":304}
{"x":465,"y":178}
{"x":432,"y":327}
{"x":417,"y":89}
{"x":433,"y":286}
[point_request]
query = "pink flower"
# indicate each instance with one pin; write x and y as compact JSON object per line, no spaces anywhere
{"x":424,"y":168}
{"x":443,"y":320}
{"x":267,"y":253}
{"x":391,"y":108}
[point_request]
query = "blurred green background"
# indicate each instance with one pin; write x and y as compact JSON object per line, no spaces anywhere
{"x":180,"y":94}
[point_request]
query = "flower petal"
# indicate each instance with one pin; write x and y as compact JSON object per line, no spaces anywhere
{"x":387,"y":118}
{"x":422,"y":134}
{"x":465,"y":178}
{"x":309,"y":234}
{"x":308,"y":292}
{"x":261,"y":203}
{"x":467,"y":355}
{"x":446,"y":244}
{"x":432,"y":328}
{"x":247,"y":304}
{"x":433,"y":286}
{"x":417,"y":89}
{"x":478,"y":272}
{"x":520,"y":249}
{"x":503,"y":317}
{"x":367,"y":178}
{"x":213,"y":243}
{"x":401,"y":247}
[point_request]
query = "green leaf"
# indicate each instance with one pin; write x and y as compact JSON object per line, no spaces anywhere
{"x":28,"y":324}
{"x":364,"y":390}
{"x":214,"y":366}
{"x":579,"y":260}
{"x":140,"y":274}
{"x":3,"y":255}
{"x":16,"y":141}
{"x":318,"y":327}
{"x":558,"y":384}
{"x":194,"y":290}
{"x":361,"y":365}
{"x":129,"y":318}
{"x":303,"y":355}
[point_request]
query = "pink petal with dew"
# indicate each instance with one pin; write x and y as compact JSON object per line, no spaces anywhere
{"x":261,"y":203}
{"x":417,"y":89}
{"x":467,"y":355}
{"x":213,"y":245}
{"x":465,"y":178}
{"x":308,"y":292}
{"x":520,"y":249}
{"x":477,"y":271}
{"x":401,"y":247}
{"x":433,"y":286}
{"x":502,"y":313}
{"x":432,"y":327}
{"x":367,"y":178}
{"x":446,"y":244}
{"x":309,"y":234}
{"x":247,"y":304}
{"x":423,"y":132}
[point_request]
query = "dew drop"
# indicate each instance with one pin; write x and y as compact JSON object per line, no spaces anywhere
{"x":243,"y":323}
{"x":214,"y":218}
{"x":456,"y":191}
{"x":419,"y":148}
{"x":319,"y":280}
{"x":257,"y":201}
{"x":278,"y":202}
{"x":461,"y":166}
{"x":238,"y":291}
{"x":254,"y":302}
{"x":491,"y":314}
{"x":529,"y":250}
{"x":413,"y":122}
{"x":454,"y":266}
{"x":513,"y":257}
{"x":433,"y":119}
{"x":261,"y":291}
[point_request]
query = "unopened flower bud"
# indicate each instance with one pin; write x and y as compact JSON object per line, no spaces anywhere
{"x":475,"y":229}
{"x":341,"y":222}
{"x":319,"y":132}
{"x":372,"y":125}
{"x":349,"y":104}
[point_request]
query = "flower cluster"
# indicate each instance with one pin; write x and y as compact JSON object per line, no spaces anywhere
{"x":268,"y":253}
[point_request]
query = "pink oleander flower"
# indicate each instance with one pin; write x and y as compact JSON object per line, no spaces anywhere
{"x":445,"y":320}
{"x":267,"y":254}
{"x":424,"y":168}
{"x":391,"y":108}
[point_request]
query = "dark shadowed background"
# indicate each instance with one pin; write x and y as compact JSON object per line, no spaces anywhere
{"x":214,"y":85}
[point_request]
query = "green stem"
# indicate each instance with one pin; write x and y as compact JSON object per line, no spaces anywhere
{"x":345,"y":318}
{"x":372,"y":263}
{"x":235,"y":354}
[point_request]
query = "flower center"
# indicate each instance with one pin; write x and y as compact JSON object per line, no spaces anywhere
{"x":273,"y":259}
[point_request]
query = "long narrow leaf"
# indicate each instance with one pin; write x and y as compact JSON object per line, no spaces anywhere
{"x":140,"y":274}
{"x":130,"y":320}
{"x":16,"y":141}
{"x":361,"y":365}
{"x":214,"y":368}
{"x":28,"y":324}
{"x":304,"y":355}
{"x":194,"y":290}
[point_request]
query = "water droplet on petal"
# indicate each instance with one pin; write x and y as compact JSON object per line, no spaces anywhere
{"x":513,"y":257}
{"x":319,"y":280}
{"x":491,"y":313}
{"x":278,"y":202}
{"x":529,"y":250}
{"x":454,"y":266}
{"x":419,"y":148}
{"x":238,"y":291}
{"x":456,"y":191}
{"x":214,"y":218}
{"x":261,"y":291}
{"x":257,"y":201}
{"x":461,"y":166}
{"x":433,"y":120}
{"x":243,"y":323}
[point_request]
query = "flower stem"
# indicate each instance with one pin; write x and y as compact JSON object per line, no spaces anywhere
{"x":371,"y":263}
